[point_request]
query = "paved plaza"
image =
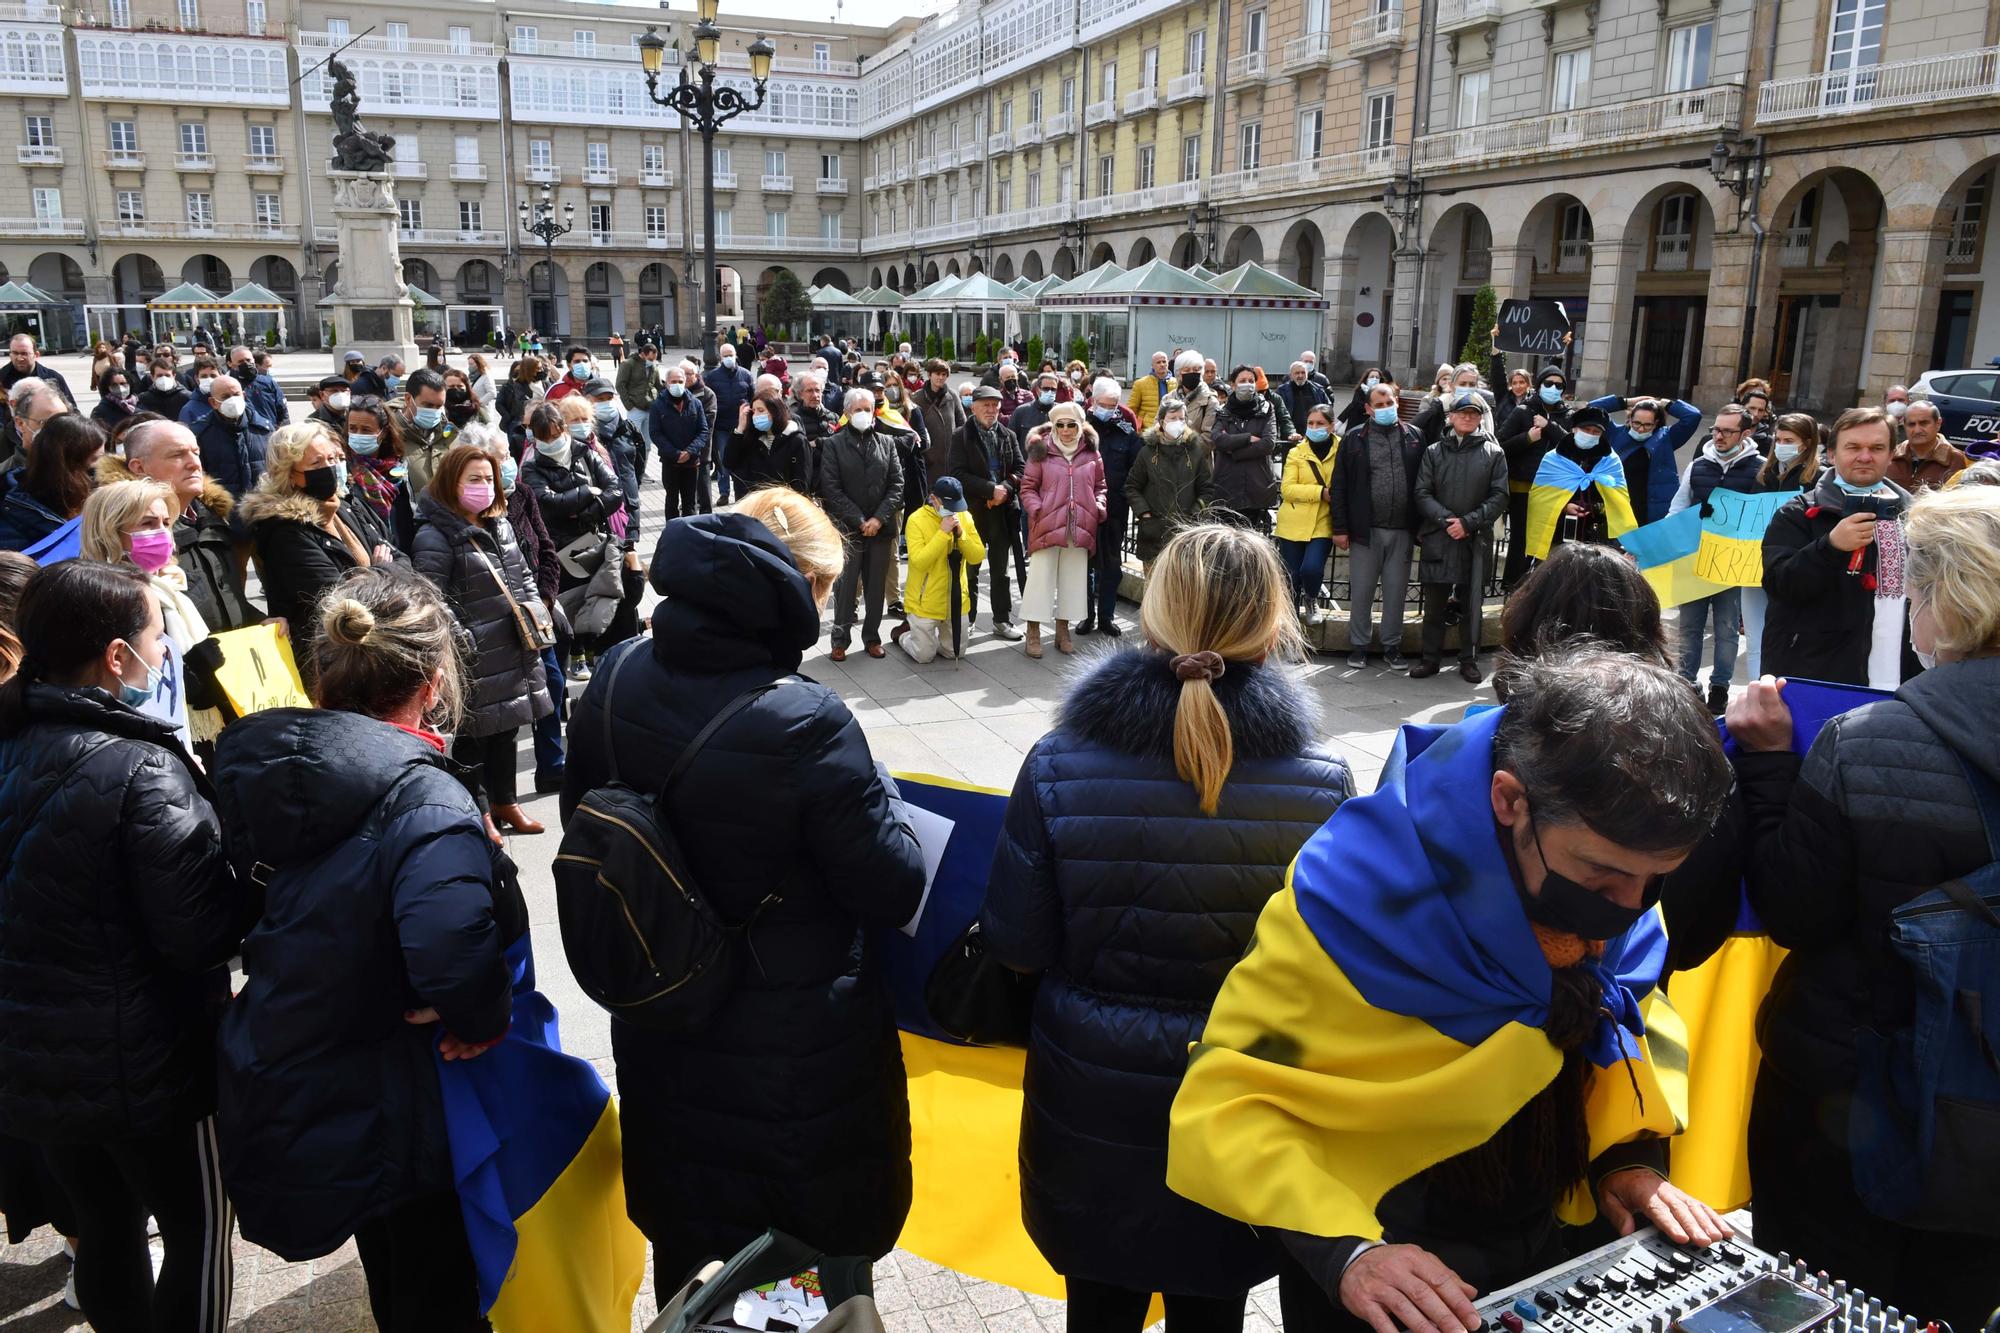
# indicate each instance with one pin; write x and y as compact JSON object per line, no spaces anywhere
{"x":973,"y":722}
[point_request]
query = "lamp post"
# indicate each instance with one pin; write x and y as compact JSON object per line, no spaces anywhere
{"x":707,"y":107}
{"x":540,"y":223}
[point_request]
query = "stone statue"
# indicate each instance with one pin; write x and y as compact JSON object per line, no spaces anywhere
{"x":354,"y":148}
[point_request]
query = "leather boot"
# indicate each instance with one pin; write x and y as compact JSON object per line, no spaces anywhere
{"x":1063,"y":643}
{"x":515,"y":818}
{"x":1033,"y":646}
{"x":492,"y":830}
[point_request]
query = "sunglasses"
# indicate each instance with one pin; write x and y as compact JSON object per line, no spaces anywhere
{"x":1068,"y":425}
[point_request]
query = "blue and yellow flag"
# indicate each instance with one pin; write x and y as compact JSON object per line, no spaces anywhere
{"x":535,"y":1155}
{"x":1559,"y":478}
{"x":1388,"y":1015}
{"x":1706,"y":549}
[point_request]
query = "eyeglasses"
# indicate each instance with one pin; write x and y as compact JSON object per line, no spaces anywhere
{"x":1728,"y":430}
{"x":1068,"y":425}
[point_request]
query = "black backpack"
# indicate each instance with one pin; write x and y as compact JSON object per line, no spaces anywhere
{"x":641,"y":939}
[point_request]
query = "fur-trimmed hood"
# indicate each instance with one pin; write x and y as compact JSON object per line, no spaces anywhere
{"x":1037,"y":443}
{"x":267,"y":502}
{"x":1127,"y":700}
{"x":215,"y":497}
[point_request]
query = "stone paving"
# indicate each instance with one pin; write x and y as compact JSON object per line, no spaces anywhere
{"x":972,"y":721}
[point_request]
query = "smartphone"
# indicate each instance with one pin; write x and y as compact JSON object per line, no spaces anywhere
{"x":1769,"y":1304}
{"x":1882,"y":506}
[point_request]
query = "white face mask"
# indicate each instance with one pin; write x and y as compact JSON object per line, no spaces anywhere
{"x":231,"y":407}
{"x":338,"y":401}
{"x":1929,"y":660}
{"x":861,"y":421}
{"x":1896,"y":410}
{"x":205,"y":383}
{"x":163,"y":383}
{"x":1173,"y":430}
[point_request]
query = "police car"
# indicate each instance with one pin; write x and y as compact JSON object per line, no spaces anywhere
{"x":1969,"y":401}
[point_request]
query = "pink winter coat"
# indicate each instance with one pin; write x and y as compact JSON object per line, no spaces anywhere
{"x":1063,"y":497}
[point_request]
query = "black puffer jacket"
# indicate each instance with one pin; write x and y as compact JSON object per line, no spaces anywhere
{"x":300,"y":560}
{"x":563,"y":492}
{"x":1244,"y":443}
{"x":1821,"y":617}
{"x":509,"y":687}
{"x":1877,"y":813}
{"x":1137,"y":904}
{"x":383,"y":895}
{"x":790,"y":1110}
{"x":117,"y":911}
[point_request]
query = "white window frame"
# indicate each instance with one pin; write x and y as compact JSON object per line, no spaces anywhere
{"x":1311,"y":134}
{"x":268,"y":210}
{"x":471,"y":215}
{"x":1687,"y":58}
{"x":189,"y":13}
{"x":541,"y":153}
{"x":1147,"y":166}
{"x":653,"y":157}
{"x":194,"y":138}
{"x":600,"y":219}
{"x":1107,"y":174}
{"x":1250,"y":145}
{"x":1473,"y":101}
{"x":48,"y":203}
{"x":1108,"y":81}
{"x":397,"y":35}
{"x":410,"y":214}
{"x":255,"y":17}
{"x":1194,"y":55}
{"x":131,"y":207}
{"x":1256,"y":27}
{"x":1569,"y":80}
{"x":200,"y":205}
{"x":725,"y":223}
{"x":597,"y":155}
{"x":584,"y":42}
{"x":1190,"y":158}
{"x":39,"y":131}
{"x":1378,"y":126}
{"x":268,"y":149}
{"x":124,"y":137}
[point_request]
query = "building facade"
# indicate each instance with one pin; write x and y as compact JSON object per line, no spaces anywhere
{"x":1715,"y":188}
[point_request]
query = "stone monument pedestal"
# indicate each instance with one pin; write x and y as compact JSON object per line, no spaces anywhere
{"x":372,"y":310}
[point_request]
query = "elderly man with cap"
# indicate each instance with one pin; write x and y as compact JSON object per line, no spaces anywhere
{"x":945,"y":550}
{"x":1532,"y":429}
{"x":329,"y":399}
{"x":617,"y":434}
{"x":988,"y":461}
{"x":232,"y":435}
{"x":1461,"y":494}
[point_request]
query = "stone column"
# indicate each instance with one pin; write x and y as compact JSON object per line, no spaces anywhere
{"x":1723,"y":320}
{"x":372,"y":310}
{"x":1400,"y":346}
{"x":1906,"y":307}
{"x":1337,"y":336}
{"x":1513,"y":276}
{"x":1601,"y":361}
{"x":1857,"y":282}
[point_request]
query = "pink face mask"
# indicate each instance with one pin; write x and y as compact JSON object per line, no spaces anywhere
{"x":152,"y":549}
{"x":477,"y":496}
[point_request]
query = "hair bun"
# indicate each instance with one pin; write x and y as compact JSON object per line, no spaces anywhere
{"x":348,"y":621}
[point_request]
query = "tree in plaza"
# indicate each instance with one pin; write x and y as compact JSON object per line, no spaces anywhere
{"x":787,"y":304}
{"x":933,"y":345}
{"x":950,"y":352}
{"x":1033,"y":360}
{"x":980,"y":348}
{"x":1479,"y":332}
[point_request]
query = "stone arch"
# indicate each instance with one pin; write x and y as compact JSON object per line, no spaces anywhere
{"x":930,"y":272}
{"x":1003,"y":267}
{"x":1186,"y":250}
{"x":421,"y":273}
{"x":909,"y":278}
{"x":135,"y":280}
{"x":831,"y":277}
{"x":1815,"y":288}
{"x":875,"y":276}
{"x":603,"y":301}
{"x":548,"y":298}
{"x":657,"y":299}
{"x":478,"y":282}
{"x":1457,"y":262}
{"x":1101,"y":254}
{"x":207,"y":270}
{"x":1301,"y":255}
{"x":1669,"y":247}
{"x":1960,"y":226}
{"x":728,"y":293}
{"x":1244,"y":246}
{"x":1359,"y":317}
{"x":951,"y":268}
{"x":974,"y":265}
{"x":1142,"y":252}
{"x":1064,"y":264}
{"x":1031,"y":267}
{"x":59,"y":275}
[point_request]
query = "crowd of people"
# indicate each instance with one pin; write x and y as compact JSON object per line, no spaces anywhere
{"x":1185,"y":861}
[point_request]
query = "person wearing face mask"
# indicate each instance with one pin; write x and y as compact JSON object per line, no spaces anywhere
{"x":1355,"y":414}
{"x":132,"y":523}
{"x":733,"y":385}
{"x":382,"y":379}
{"x":309,"y":529}
{"x":1434,"y":421}
{"x":769,"y":448}
{"x":1534,"y":427}
{"x":467,"y":548}
{"x":786,"y":794}
{"x":1172,"y":481}
{"x":1792,"y":466}
{"x":330,"y":399}
{"x":578,"y":371}
{"x":1834,"y":567}
{"x":681,"y":432}
{"x":1534,"y":841}
{"x":164,"y":393}
{"x":895,"y":418}
{"x":1728,"y":462}
{"x":375,"y":470}
{"x":1461,"y":494}
{"x":1646,"y":444}
{"x":1244,"y":436}
{"x":204,"y":548}
{"x":1118,"y":444}
{"x":1048,"y":392}
{"x":115,"y":399}
{"x":861,"y":485}
{"x":1015,"y":391}
{"x":1891,"y":799}
{"x":233,"y":435}
{"x":119,"y":912}
{"x":197,"y":376}
{"x":1305,"y":518}
{"x":253,"y":371}
{"x":986,"y":458}
{"x":1062,"y":497}
{"x":427,"y":432}
{"x":1373,"y":503}
{"x":620,"y":438}
{"x":1588,"y":515}
{"x":1200,"y":400}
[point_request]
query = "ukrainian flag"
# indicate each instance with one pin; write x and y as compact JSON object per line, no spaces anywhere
{"x":1667,"y":552}
{"x":1559,"y":478}
{"x":1388,"y":1015}
{"x":536,"y":1158}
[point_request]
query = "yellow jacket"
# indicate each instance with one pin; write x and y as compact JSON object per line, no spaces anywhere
{"x":1145,"y":402}
{"x":1303,"y":512}
{"x":927,"y":590}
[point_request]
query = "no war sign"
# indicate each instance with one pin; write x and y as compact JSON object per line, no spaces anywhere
{"x":1532,"y":327}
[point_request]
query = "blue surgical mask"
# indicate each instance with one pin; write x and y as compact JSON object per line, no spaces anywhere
{"x":760,"y":421}
{"x":132,"y":696}
{"x":1318,"y":434}
{"x":609,"y":413}
{"x":1639,"y":436}
{"x":392,"y":383}
{"x":1385,"y":416}
{"x":729,"y":363}
{"x":510,"y":472}
{"x":365,"y":445}
{"x":677,"y":390}
{"x":1046,"y":397}
{"x":1552,"y":393}
{"x":579,"y":430}
{"x":427,"y":418}
{"x":1105,"y":413}
{"x":1785,"y":452}
{"x":1588,"y":441}
{"x":1852,"y":489}
{"x":965,"y":400}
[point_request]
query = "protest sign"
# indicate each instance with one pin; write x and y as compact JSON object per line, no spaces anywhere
{"x":257,"y":670}
{"x":1532,"y":327}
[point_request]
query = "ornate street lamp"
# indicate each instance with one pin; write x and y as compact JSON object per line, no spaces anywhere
{"x":707,"y":107}
{"x":540,"y":223}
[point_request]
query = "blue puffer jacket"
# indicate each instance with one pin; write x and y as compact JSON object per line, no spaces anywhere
{"x":791,"y":1108}
{"x":382,"y":895}
{"x":1135,"y":904}
{"x":231,"y":451}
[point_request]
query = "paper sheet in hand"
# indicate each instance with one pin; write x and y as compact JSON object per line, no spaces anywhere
{"x":933,"y":834}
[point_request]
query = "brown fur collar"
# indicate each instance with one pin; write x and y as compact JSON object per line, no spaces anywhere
{"x":214,"y":496}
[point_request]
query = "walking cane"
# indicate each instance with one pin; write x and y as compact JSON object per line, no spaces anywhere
{"x":954,"y":560}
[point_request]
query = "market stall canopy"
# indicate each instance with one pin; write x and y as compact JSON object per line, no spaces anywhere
{"x":1084,"y":282}
{"x":187,"y":296}
{"x":1204,"y":272}
{"x":981,"y":290}
{"x":1154,"y":278}
{"x":1029,"y":293}
{"x":1251,"y":279}
{"x":832,"y":298}
{"x":417,"y":294}
{"x":938,"y":293}
{"x":251,"y":296}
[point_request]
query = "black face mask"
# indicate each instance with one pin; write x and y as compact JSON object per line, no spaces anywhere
{"x":1191,"y":381}
{"x":321,"y":483}
{"x":1564,"y":904}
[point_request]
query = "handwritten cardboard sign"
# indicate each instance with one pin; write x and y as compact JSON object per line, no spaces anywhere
{"x":1532,"y":327}
{"x":258,"y":671}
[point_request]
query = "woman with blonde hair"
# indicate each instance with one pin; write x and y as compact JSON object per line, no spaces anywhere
{"x":309,"y":528}
{"x":1891,"y":799}
{"x":792,"y":835}
{"x":1142,"y":839}
{"x":1062,"y":498}
{"x":132,"y":523}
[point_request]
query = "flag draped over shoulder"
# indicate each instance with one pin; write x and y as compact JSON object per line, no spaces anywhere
{"x":536,"y":1157}
{"x":1388,"y":1015}
{"x":1557,"y":479}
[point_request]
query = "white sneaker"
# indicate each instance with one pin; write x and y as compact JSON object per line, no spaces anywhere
{"x":1316,"y":616}
{"x":1009,"y":630}
{"x":69,"y":1289}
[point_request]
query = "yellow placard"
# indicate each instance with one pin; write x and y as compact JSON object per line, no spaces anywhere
{"x":258,"y":670}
